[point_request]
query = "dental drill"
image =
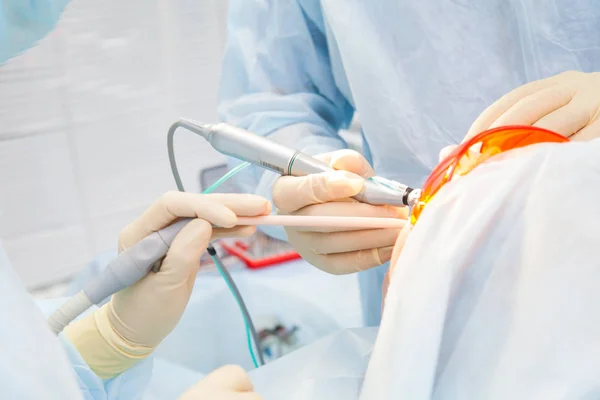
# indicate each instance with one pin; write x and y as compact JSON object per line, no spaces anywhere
{"x":137,"y":261}
{"x":263,"y":152}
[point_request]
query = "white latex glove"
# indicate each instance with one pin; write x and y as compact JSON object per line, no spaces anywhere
{"x":226,"y":383}
{"x":137,"y":318}
{"x":567,"y":103}
{"x":337,"y":251}
{"x":147,"y":311}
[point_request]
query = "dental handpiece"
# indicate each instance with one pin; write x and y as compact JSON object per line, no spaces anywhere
{"x":135,"y":262}
{"x":258,"y":150}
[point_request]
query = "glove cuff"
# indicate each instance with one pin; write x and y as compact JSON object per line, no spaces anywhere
{"x":105,"y":351}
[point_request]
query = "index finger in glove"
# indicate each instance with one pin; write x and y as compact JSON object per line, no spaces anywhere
{"x":291,"y":193}
{"x":184,"y":253}
{"x":535,"y":106}
{"x":569,"y":119}
{"x":218,"y":209}
{"x":523,"y":106}
{"x":348,"y":160}
{"x":500,"y":106}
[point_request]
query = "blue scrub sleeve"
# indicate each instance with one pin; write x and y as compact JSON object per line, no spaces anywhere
{"x":23,"y":23}
{"x":129,"y":385}
{"x":277,"y":81}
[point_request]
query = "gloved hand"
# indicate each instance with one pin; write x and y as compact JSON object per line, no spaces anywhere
{"x":226,"y":383}
{"x":567,"y":103}
{"x":337,"y":251}
{"x":134,"y":322}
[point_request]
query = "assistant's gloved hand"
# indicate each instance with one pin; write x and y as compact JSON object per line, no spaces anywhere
{"x":567,"y":103}
{"x":337,"y":251}
{"x":134,"y":322}
{"x":226,"y":383}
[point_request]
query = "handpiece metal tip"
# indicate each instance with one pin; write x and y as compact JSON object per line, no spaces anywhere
{"x":413,"y":197}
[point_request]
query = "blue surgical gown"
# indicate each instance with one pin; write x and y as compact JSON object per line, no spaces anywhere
{"x":23,"y":23}
{"x":417,"y":72}
{"x":34,"y":365}
{"x":37,"y":365}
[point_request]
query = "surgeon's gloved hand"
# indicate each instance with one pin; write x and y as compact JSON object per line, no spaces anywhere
{"x":567,"y":103}
{"x":135,"y":321}
{"x":337,"y":251}
{"x":226,"y":383}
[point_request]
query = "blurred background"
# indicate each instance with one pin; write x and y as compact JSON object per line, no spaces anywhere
{"x":83,"y":121}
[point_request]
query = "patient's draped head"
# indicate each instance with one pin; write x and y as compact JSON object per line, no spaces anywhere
{"x":496,"y":294}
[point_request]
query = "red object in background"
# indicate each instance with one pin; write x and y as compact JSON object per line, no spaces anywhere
{"x":239,"y":249}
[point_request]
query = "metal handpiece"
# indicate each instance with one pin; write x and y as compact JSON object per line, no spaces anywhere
{"x":258,"y":150}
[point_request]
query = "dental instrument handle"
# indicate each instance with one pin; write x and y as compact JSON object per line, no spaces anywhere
{"x":127,"y":268}
{"x":134,"y":263}
{"x":268,"y":154}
